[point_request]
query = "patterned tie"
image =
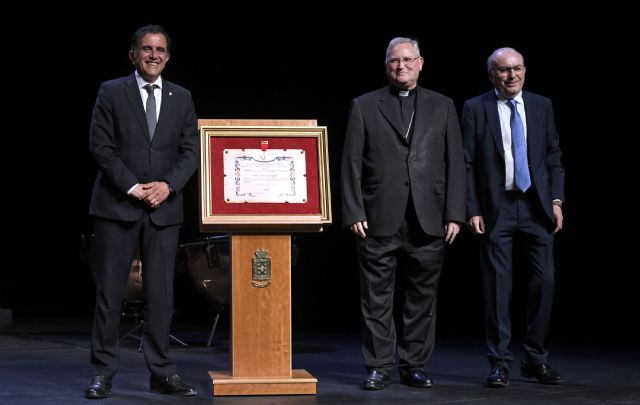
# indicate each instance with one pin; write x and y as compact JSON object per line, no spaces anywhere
{"x":521,"y":164}
{"x":152,"y":118}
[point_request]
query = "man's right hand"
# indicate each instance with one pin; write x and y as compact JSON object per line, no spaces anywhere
{"x":140,"y":192}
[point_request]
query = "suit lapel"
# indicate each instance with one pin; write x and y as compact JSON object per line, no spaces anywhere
{"x":390,"y":111}
{"x":493,"y":120}
{"x":421,"y":117}
{"x":531,"y":111}
{"x":133,"y":94}
{"x":165,"y":106}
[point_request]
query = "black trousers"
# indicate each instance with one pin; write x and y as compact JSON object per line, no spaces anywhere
{"x":378,"y":261}
{"x":115,"y":246}
{"x":520,"y":215}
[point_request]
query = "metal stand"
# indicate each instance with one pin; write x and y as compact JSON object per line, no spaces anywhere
{"x":213,"y":328}
{"x":136,"y":332}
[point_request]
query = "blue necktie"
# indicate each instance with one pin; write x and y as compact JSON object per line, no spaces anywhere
{"x":152,"y":118}
{"x":519,"y":144}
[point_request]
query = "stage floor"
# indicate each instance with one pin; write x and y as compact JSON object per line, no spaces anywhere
{"x":46,"y":361}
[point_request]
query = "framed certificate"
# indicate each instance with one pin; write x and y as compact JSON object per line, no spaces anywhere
{"x":264,"y":177}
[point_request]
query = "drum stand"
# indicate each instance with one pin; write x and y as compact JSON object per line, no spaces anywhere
{"x":136,"y":331}
{"x":215,"y":323}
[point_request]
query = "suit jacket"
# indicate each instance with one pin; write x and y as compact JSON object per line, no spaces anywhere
{"x":381,"y":169}
{"x":484,"y":155}
{"x":119,"y":142}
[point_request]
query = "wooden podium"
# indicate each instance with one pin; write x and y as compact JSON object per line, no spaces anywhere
{"x":261,"y":352}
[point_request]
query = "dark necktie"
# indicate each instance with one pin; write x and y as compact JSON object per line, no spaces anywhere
{"x":152,"y":118}
{"x":519,"y":144}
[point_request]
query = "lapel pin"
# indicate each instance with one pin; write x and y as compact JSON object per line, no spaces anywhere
{"x":171,"y":93}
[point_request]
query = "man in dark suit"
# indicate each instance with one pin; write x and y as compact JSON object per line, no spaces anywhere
{"x":137,"y":200}
{"x":403,"y":186}
{"x":515,"y":187}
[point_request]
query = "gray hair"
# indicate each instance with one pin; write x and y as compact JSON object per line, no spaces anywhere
{"x":401,"y":40}
{"x":491,"y":60}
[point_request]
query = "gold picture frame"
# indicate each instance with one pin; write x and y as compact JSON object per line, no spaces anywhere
{"x":218,"y":216}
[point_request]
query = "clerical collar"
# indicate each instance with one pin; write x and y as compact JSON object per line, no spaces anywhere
{"x":404,"y":93}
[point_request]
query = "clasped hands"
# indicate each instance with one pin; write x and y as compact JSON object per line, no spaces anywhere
{"x":153,"y":194}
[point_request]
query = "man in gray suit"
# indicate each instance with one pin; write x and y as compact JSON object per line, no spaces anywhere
{"x":144,"y":138}
{"x":403,"y":195}
{"x":515,"y":188}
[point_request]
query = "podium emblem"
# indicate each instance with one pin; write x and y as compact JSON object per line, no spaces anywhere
{"x":261,"y":265}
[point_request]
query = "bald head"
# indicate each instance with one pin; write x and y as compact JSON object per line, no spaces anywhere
{"x":507,"y":71}
{"x":501,"y":53}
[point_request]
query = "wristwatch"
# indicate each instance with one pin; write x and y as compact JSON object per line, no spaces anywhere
{"x":557,"y":202}
{"x":171,"y":190}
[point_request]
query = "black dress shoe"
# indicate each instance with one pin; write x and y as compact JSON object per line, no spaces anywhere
{"x":376,"y":380}
{"x":172,"y":385}
{"x":541,"y":372}
{"x":415,"y":377}
{"x":99,"y":387}
{"x":499,"y":377}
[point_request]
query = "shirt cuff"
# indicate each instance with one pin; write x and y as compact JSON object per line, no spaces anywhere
{"x":132,"y":188}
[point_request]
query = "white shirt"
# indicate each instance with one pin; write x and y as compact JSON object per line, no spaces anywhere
{"x":157,"y":92}
{"x":504,"y":111}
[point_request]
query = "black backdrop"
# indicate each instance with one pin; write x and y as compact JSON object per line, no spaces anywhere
{"x":294,"y":66}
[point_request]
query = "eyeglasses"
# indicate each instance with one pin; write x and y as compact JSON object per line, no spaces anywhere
{"x":504,"y":70}
{"x":406,"y":60}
